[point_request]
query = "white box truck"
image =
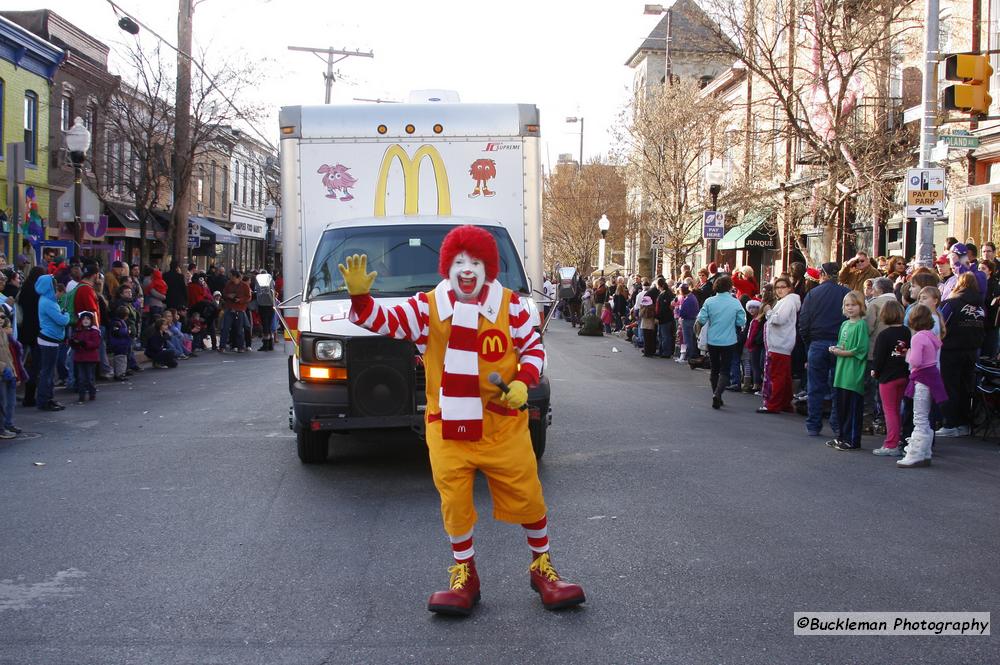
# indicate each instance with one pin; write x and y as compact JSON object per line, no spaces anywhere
{"x":389,"y":181}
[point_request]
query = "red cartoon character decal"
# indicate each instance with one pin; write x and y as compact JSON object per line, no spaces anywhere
{"x":481,"y":171}
{"x":337,"y":178}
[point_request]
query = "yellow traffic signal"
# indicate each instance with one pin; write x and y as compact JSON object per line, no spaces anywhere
{"x":974,"y":95}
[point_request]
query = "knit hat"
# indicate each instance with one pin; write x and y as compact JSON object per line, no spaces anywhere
{"x":85,"y":315}
{"x":830,"y":268}
{"x":959,"y":248}
{"x":753,"y":304}
{"x":813,"y":274}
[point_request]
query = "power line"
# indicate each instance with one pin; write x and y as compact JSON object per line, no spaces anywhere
{"x":239,"y":114}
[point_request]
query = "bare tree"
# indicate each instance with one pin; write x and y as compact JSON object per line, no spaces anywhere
{"x":572,"y":202}
{"x":138,"y":139}
{"x":663,"y":144}
{"x":143,"y":118}
{"x":824,"y":65}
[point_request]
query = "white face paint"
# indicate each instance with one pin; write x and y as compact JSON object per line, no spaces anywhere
{"x":467,"y":276}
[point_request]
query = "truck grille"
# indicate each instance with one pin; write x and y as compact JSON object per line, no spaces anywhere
{"x":381,"y":377}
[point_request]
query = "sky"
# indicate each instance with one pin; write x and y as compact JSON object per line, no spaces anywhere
{"x":566,"y":57}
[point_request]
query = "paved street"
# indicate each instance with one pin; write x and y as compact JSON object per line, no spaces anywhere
{"x":173,"y":523}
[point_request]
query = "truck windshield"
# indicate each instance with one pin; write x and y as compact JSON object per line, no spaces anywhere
{"x":404,"y":256}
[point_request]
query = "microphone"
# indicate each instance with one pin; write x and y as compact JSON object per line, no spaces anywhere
{"x":495,"y":379}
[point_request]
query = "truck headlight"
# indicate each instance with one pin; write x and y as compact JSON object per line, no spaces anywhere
{"x":329,"y":349}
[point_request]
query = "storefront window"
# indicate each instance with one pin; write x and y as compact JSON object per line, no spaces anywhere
{"x":976,"y":220}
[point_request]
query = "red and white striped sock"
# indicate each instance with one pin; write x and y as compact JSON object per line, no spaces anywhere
{"x":538,"y":536}
{"x":461,"y":547}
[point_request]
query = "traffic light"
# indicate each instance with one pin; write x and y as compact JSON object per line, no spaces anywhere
{"x":973,"y":96}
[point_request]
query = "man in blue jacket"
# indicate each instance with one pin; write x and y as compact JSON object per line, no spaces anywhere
{"x":52,"y":322}
{"x":819,"y":327}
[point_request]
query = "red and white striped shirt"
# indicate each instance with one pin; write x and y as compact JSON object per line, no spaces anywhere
{"x":411,"y":320}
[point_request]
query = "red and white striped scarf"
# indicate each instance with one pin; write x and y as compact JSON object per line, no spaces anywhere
{"x":460,"y":401}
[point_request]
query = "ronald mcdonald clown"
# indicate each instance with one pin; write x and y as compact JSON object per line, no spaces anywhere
{"x":466,"y":328}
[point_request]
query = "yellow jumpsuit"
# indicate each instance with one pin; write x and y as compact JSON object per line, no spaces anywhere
{"x":504,"y":453}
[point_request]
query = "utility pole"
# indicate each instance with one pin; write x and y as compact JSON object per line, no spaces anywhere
{"x":330,"y":52}
{"x":928,"y":127}
{"x":182,"y":131}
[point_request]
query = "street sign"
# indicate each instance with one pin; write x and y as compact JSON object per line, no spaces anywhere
{"x":960,"y":141}
{"x":715,"y":225}
{"x":658,"y":239}
{"x":925,"y":193}
{"x":90,"y":206}
{"x":194,"y":234}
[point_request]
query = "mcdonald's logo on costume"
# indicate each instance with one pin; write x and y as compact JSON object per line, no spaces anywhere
{"x":411,"y":179}
{"x":492,"y":345}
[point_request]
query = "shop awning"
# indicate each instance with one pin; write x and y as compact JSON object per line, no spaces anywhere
{"x":212,"y":231}
{"x":752,"y":233}
{"x":124,"y":221}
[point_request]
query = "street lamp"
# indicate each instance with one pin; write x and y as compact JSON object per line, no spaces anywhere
{"x":269,"y":214}
{"x":656,"y":10}
{"x":715,"y":177}
{"x":603,"y":224}
{"x":571,"y":120}
{"x":78,"y":143}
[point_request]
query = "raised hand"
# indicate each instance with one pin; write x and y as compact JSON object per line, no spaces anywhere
{"x":356,"y":276}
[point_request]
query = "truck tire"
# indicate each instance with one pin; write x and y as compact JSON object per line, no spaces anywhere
{"x":312,"y":446}
{"x":537,"y":430}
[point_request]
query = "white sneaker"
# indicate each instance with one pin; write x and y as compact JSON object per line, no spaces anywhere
{"x":887,"y":452}
{"x":7,"y":434}
{"x":950,"y":432}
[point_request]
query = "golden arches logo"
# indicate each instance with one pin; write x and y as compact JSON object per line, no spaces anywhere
{"x":411,"y":179}
{"x":492,"y":345}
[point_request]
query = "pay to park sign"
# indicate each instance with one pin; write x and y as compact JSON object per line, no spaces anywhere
{"x":925,"y":193}
{"x":714,"y":225}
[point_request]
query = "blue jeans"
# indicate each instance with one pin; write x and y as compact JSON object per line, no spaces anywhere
{"x":64,"y":363}
{"x":85,"y":373}
{"x":736,"y":365}
{"x":46,"y":367}
{"x":665,"y":333}
{"x":687,"y":325}
{"x":820,"y":368}
{"x":232,"y":323}
{"x":8,"y":397}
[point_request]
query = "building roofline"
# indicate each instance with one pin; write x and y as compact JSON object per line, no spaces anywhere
{"x":29,"y":51}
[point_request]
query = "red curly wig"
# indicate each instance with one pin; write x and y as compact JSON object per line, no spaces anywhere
{"x":477,"y":242}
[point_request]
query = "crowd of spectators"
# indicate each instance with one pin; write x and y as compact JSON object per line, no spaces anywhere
{"x":73,"y":323}
{"x":870,"y":347}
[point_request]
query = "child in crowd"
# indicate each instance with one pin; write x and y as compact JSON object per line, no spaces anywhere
{"x":158,"y":346}
{"x":647,"y":324}
{"x":198,"y":331}
{"x":86,"y":343}
{"x":120,"y":342}
{"x":930,"y":297}
{"x":607,"y":317}
{"x":176,"y":339}
{"x":754,"y":346}
{"x":10,"y":373}
{"x":889,"y":368}
{"x":924,"y":385}
{"x":849,"y":376}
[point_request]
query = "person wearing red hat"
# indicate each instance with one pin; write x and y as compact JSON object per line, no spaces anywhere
{"x":467,"y":328}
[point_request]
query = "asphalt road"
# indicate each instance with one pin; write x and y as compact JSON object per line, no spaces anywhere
{"x":173,"y":523}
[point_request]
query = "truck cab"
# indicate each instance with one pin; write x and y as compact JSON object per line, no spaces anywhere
{"x":344,"y":378}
